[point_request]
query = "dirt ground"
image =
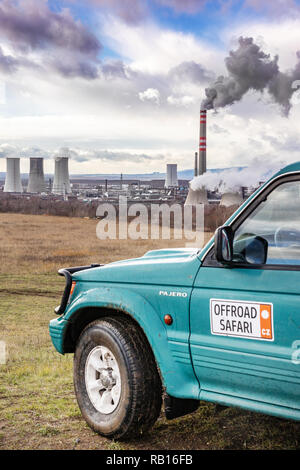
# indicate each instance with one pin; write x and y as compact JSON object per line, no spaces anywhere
{"x":38,"y":409}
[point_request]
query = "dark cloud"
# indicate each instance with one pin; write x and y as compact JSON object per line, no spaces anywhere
{"x":184,"y":6}
{"x":83,"y":155}
{"x":73,"y":67}
{"x":116,"y":69}
{"x":136,"y":11}
{"x":117,"y":156}
{"x":191,"y":71}
{"x":283,"y":143}
{"x":275,"y":7}
{"x":130,"y":11}
{"x":11,"y":150}
{"x":28,"y":152}
{"x":249,"y":68}
{"x":10,"y":64}
{"x":63,"y":44}
{"x":77,"y":154}
{"x":31,"y":25}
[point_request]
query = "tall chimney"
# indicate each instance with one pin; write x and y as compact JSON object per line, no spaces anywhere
{"x":202,"y":142}
{"x":196,"y":164}
{"x":13,"y":177}
{"x":199,"y":196}
{"x":36,"y":182}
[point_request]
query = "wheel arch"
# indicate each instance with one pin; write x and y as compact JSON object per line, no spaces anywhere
{"x":87,"y":315}
{"x":99,"y":302}
{"x":84,"y":316}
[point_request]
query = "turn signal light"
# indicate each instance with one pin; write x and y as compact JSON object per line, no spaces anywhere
{"x":168,"y":319}
{"x":72,"y":288}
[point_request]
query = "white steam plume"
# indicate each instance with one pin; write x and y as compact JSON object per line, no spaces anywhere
{"x":232,"y":179}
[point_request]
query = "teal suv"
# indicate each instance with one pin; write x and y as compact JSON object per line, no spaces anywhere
{"x":178,"y":326}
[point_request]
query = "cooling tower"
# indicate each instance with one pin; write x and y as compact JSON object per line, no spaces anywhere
{"x":171,"y":180}
{"x":61,"y":181}
{"x":202,"y":143}
{"x":198,"y":196}
{"x":36,"y":182}
{"x":13,"y":178}
{"x":231,"y":198}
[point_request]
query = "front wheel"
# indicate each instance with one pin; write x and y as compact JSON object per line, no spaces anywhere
{"x":116,"y":381}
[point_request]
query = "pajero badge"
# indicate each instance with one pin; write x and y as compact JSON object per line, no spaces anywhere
{"x":241,"y":319}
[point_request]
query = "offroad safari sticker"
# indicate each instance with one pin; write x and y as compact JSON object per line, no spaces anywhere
{"x":241,"y":319}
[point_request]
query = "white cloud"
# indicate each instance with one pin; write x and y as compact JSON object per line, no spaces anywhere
{"x":151,"y":94}
{"x":155,"y":50}
{"x":181,"y":100}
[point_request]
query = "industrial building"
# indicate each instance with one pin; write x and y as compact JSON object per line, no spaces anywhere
{"x":88,"y":189}
{"x":171,"y":178}
{"x":167,"y":190}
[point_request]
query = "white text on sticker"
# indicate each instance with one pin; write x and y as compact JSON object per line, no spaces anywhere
{"x":241,"y":319}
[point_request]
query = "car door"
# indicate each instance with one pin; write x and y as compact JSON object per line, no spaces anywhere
{"x":245,"y":319}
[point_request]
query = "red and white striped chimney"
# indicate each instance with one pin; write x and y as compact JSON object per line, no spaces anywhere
{"x":202,"y":143}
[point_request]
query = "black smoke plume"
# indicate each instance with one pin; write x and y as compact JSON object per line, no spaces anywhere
{"x":249,"y":68}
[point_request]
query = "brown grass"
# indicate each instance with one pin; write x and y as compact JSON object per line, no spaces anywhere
{"x":42,"y":244}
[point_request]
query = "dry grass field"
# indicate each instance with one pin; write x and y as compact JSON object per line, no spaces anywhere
{"x":38,"y":409}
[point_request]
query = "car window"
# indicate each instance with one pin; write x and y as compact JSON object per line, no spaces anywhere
{"x":277,"y":220}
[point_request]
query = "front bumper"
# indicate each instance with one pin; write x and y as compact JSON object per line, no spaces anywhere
{"x":57,"y":330}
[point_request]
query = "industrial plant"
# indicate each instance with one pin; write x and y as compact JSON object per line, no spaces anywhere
{"x":167,"y":188}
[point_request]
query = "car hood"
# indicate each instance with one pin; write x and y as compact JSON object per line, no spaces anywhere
{"x":176,"y":266}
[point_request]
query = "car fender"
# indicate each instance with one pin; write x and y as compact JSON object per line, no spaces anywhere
{"x":126,"y":300}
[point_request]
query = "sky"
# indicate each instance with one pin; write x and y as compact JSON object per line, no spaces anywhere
{"x":120,"y":82}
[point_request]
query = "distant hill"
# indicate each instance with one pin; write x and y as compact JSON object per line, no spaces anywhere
{"x":182,"y":175}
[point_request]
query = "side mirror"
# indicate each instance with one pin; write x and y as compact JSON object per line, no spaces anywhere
{"x":251,"y":250}
{"x":224,"y":244}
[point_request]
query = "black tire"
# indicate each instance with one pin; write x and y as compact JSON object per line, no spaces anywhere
{"x":141,"y":392}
